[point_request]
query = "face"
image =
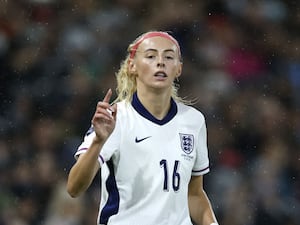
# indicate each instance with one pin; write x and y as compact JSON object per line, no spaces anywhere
{"x":156,"y":64}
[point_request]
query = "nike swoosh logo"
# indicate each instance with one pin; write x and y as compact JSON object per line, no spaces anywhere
{"x":142,"y":139}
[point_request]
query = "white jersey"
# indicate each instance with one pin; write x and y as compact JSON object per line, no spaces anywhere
{"x":146,"y":165}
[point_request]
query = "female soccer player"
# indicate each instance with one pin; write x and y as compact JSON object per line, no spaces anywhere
{"x":150,"y":146}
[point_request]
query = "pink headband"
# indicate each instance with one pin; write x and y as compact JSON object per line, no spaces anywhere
{"x":150,"y":35}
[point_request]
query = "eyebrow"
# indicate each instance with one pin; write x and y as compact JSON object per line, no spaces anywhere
{"x":152,"y":49}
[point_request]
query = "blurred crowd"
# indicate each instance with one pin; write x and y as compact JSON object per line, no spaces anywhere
{"x":241,"y":69}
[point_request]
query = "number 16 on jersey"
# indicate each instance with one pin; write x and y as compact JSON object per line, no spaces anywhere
{"x":175,"y":175}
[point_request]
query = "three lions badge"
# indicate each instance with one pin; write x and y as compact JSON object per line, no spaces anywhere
{"x":187,"y":142}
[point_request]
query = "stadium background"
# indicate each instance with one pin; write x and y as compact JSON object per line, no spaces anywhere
{"x":241,"y":65}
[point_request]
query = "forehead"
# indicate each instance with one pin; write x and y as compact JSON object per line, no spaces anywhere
{"x":157,"y":43}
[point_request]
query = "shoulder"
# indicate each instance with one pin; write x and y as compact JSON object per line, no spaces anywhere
{"x":123,"y":107}
{"x":124,"y":111}
{"x":190,"y":112}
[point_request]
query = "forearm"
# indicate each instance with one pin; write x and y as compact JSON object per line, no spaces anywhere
{"x":84,"y":170}
{"x":201,"y":210}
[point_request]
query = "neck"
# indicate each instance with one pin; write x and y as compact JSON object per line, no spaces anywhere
{"x":157,"y":103}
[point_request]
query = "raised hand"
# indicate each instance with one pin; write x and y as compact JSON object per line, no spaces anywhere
{"x":104,"y":119}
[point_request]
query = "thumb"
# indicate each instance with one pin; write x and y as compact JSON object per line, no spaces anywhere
{"x":113,"y":109}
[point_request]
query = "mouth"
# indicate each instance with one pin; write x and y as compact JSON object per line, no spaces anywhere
{"x":160,"y":74}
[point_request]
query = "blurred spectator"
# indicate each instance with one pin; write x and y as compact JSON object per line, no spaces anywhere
{"x":242,"y":65}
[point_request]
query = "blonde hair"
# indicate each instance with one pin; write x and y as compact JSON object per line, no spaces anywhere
{"x":126,"y":81}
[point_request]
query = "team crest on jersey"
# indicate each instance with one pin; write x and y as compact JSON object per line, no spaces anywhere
{"x":187,"y":142}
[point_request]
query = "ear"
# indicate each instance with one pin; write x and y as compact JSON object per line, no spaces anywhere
{"x":131,"y":66}
{"x":179,"y":70}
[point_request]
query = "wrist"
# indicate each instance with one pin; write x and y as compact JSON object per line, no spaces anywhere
{"x":97,"y":140}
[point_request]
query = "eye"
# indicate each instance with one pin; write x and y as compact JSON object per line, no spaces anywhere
{"x":169,"y":57}
{"x":150,"y":56}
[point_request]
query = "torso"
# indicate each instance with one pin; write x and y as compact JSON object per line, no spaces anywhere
{"x":149,"y":165}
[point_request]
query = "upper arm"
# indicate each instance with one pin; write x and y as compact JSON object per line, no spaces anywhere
{"x":199,"y":204}
{"x":194,"y":196}
{"x":195,"y":185}
{"x":96,"y":167}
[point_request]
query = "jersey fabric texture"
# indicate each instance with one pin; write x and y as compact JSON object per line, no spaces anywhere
{"x":146,"y":165}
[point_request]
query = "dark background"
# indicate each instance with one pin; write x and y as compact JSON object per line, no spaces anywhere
{"x":241,"y":68}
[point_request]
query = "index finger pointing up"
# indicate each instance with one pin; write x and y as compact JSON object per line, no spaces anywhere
{"x":107,"y":96}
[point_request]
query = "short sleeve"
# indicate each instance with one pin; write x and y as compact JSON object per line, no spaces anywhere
{"x":201,"y":165}
{"x":109,"y":148}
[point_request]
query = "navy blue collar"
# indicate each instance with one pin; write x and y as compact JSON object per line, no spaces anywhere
{"x":138,"y":106}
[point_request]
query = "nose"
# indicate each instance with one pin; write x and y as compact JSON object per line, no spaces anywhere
{"x":160,"y":62}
